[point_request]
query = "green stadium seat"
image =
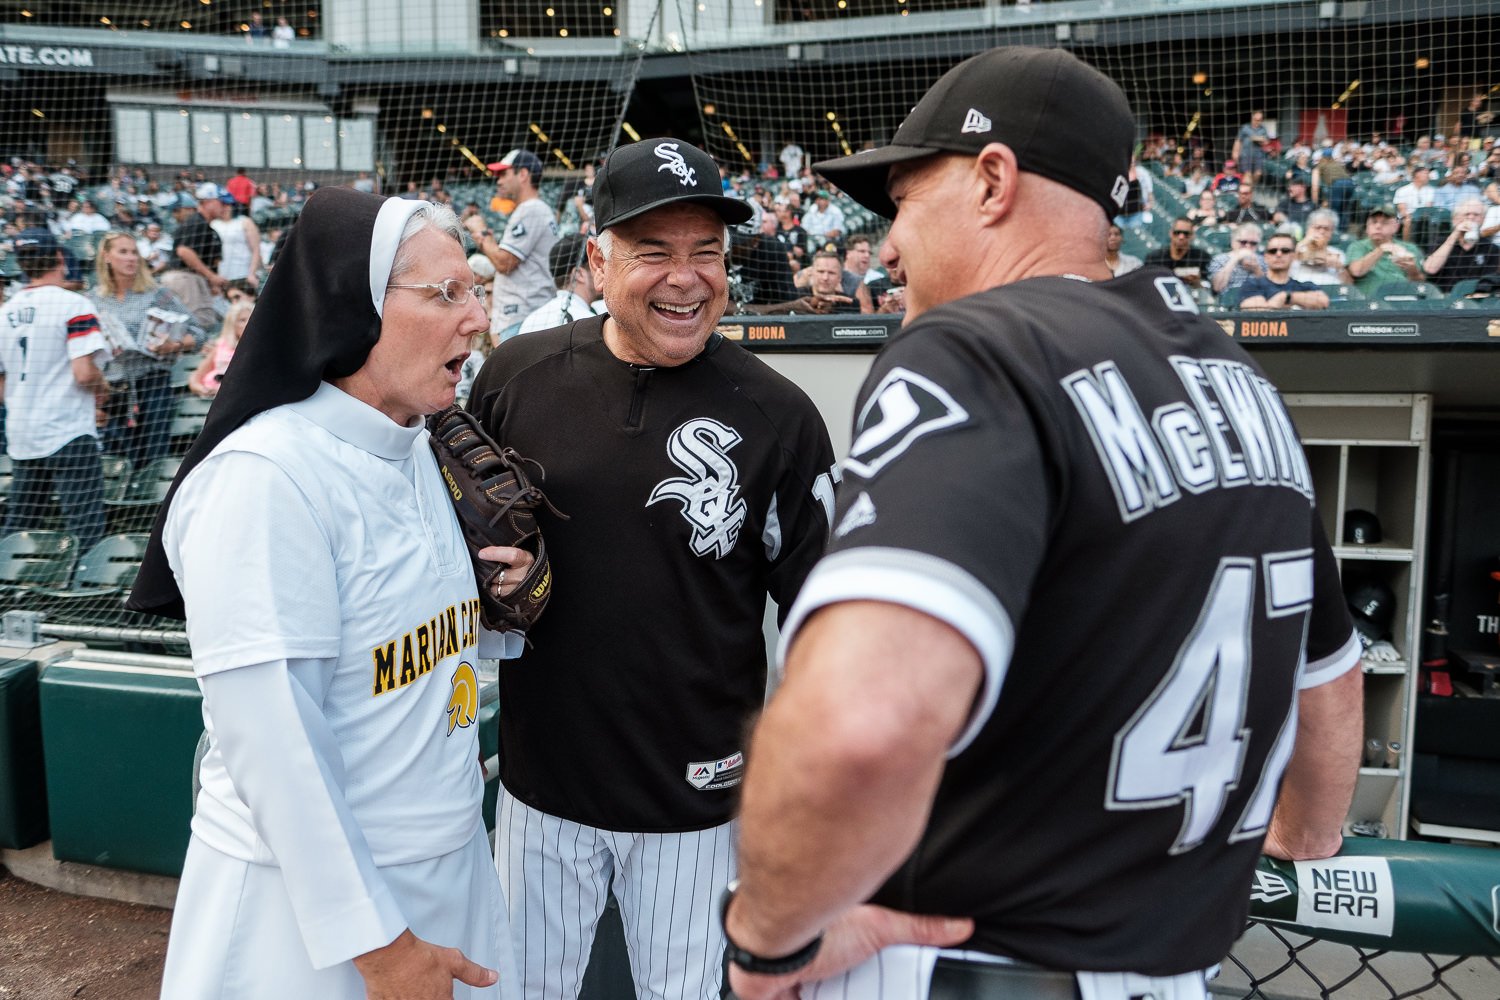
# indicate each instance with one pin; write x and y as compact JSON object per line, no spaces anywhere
{"x":30,"y":560}
{"x":188,"y":418}
{"x":116,"y":469}
{"x":100,"y":583}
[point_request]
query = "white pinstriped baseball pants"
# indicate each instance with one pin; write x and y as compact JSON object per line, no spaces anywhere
{"x":556,"y":875}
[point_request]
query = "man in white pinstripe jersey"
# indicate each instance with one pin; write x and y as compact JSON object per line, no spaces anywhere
{"x":693,"y":477}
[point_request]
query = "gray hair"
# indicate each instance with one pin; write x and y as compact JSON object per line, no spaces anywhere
{"x":606,"y":242}
{"x":427,"y":216}
{"x":1468,"y":202}
{"x":1323,"y":215}
{"x":1249,"y":228}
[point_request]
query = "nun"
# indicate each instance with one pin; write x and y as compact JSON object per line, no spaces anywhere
{"x":337,"y":846}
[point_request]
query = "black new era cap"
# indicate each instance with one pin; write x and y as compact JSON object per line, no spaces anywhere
{"x":656,"y":172}
{"x":1065,"y":121}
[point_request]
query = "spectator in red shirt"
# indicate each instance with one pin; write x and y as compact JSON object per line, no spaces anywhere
{"x":1227,"y":179}
{"x":242,"y":189}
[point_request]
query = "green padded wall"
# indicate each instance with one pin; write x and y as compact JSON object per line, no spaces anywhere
{"x":23,"y":789}
{"x":119,"y":745}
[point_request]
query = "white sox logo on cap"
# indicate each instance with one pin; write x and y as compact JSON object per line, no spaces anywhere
{"x":676,"y":164}
{"x":1120,"y":191}
{"x":976,"y":122}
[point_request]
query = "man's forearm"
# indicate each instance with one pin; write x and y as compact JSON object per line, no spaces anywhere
{"x":1320,"y":779}
{"x":843,"y":769}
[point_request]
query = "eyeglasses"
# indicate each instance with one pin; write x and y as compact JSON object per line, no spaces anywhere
{"x":453,"y":291}
{"x":1278,"y":250}
{"x":1182,"y":232}
{"x":1238,"y":243}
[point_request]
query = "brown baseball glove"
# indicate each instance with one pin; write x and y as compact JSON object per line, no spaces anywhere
{"x":496,"y":503}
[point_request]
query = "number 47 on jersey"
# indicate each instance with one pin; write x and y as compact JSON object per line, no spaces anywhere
{"x":1162,"y":759}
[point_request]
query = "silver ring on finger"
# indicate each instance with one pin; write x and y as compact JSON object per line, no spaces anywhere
{"x":500,"y":584}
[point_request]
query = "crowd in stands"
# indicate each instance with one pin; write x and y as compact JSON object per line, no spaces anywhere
{"x":1370,"y":224}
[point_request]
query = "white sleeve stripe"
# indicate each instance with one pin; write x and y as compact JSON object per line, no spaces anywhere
{"x":924,"y":583}
{"x":519,"y":255}
{"x":1330,"y":668}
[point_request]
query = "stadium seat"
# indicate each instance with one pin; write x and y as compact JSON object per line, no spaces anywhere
{"x":188,"y":419}
{"x":33,"y":559}
{"x":107,"y":568}
{"x":184,"y":367}
{"x":1429,"y":226}
{"x":116,"y":469}
{"x":1463,"y":289}
{"x":1345,"y":297}
{"x":1397,"y":293}
{"x":147,"y":489}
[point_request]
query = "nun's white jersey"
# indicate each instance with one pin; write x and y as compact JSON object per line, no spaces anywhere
{"x":334,"y":622}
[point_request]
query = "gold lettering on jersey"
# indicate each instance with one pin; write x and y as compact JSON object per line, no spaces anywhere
{"x":400,"y":661}
{"x":1263,"y":328}
{"x":766,"y":332}
{"x":408,"y":665}
{"x":1232,"y":430}
{"x":424,"y":648}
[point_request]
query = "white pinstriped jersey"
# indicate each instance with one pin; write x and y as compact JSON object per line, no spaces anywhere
{"x":42,"y":330}
{"x":1104,"y":494}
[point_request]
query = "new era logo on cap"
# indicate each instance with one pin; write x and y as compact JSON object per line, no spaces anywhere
{"x":976,"y":122}
{"x":675,"y":164}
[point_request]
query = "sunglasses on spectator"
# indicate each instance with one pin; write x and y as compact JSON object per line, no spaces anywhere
{"x":1182,"y":232}
{"x":1247,"y":243}
{"x":1278,"y":250}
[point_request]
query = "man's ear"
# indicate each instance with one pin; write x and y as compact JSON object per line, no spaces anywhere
{"x":998,"y":177}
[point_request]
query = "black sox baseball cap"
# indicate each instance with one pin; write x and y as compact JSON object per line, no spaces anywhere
{"x":656,"y":172}
{"x":1064,"y":119}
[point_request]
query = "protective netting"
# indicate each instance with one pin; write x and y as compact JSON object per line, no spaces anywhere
{"x":135,"y":106}
{"x":1269,"y":963}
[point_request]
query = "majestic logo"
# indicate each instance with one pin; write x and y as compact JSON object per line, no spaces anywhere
{"x":903,"y":407}
{"x":463,"y":700}
{"x":685,"y":174}
{"x":975,"y":122}
{"x":861,"y":512}
{"x":1269,"y":887}
{"x":710,"y":493}
{"x":711,"y":775}
{"x":1120,"y":191}
{"x":517,"y":229}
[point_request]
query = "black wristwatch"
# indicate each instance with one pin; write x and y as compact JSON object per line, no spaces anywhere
{"x":752,"y":962}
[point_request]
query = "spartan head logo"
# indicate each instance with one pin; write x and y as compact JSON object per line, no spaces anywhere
{"x":463,"y":700}
{"x":709,"y":493}
{"x":685,"y":174}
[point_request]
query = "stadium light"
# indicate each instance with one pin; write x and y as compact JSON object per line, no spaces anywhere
{"x":1348,"y":92}
{"x":634,"y":135}
{"x":709,"y":109}
{"x":561,"y":156}
{"x":1422,"y":63}
{"x":1200,"y":78}
{"x":536,"y":130}
{"x":25,"y":13}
